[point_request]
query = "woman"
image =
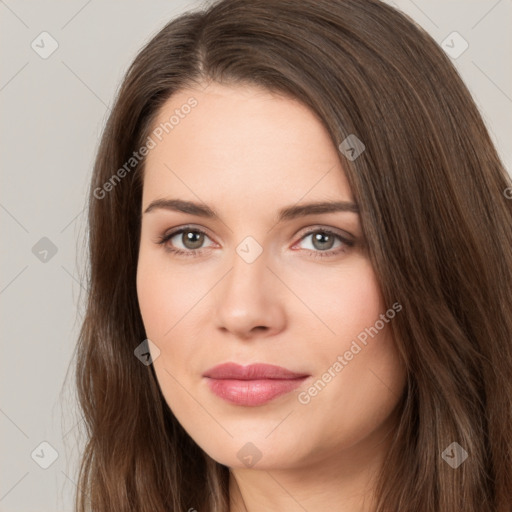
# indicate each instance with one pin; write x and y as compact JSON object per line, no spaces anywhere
{"x":300,"y":273}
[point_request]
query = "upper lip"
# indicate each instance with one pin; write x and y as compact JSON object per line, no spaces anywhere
{"x":251,"y":372}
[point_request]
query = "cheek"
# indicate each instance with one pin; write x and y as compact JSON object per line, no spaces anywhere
{"x":153,"y":302}
{"x":168,"y":299}
{"x":165,"y":295}
{"x":359,"y":376}
{"x":356,"y":300}
{"x":346,"y":300}
{"x":354,"y":392}
{"x":163,"y":303}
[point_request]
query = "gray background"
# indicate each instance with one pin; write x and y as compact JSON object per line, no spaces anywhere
{"x":53,"y":111}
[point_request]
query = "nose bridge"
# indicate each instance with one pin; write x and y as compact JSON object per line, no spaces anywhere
{"x":248,"y":271}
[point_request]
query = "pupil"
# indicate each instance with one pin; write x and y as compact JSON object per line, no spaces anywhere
{"x":321,"y":239}
{"x":190,"y":241}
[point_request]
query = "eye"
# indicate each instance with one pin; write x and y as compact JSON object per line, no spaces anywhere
{"x":323,"y":242}
{"x":188,"y":241}
{"x":191,"y":240}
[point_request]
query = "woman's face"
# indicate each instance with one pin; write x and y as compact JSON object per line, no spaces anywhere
{"x":262,"y":277}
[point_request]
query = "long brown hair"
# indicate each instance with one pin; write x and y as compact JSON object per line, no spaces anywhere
{"x":431,"y":193}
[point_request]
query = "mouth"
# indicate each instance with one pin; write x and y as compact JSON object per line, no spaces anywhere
{"x":252,"y":385}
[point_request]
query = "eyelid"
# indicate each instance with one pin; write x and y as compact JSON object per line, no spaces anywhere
{"x":344,"y":235}
{"x":186,"y":227}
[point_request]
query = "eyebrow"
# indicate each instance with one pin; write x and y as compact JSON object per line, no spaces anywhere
{"x":288,"y":213}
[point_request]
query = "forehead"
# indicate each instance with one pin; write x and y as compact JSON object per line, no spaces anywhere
{"x":242,"y":142}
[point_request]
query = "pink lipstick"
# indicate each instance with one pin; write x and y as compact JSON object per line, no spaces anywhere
{"x":251,"y":385}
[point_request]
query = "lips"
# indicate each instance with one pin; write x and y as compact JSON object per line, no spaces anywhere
{"x":251,"y":385}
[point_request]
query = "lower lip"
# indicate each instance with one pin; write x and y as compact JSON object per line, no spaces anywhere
{"x":252,"y":392}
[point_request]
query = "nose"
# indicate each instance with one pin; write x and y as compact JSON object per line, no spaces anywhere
{"x":250,"y":300}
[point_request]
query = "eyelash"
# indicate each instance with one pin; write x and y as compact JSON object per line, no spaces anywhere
{"x":198,"y":252}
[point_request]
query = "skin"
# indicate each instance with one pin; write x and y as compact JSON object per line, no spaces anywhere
{"x":248,"y":153}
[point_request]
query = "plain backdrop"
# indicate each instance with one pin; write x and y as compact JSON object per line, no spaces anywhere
{"x":53,"y":111}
